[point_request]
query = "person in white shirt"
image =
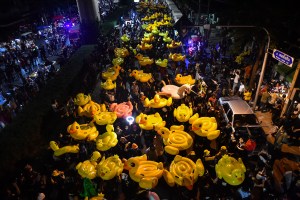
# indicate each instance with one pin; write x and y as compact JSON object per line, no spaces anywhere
{"x":236,"y":81}
{"x":241,"y":89}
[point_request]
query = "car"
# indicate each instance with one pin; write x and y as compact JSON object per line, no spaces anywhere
{"x":244,"y":123}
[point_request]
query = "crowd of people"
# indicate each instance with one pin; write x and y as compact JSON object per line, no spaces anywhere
{"x":57,"y":178}
{"x":29,"y":60}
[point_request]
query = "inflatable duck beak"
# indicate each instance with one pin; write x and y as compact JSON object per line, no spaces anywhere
{"x":126,"y":166}
{"x":94,"y":112}
{"x":194,"y":128}
{"x":71,"y":131}
{"x":189,"y":187}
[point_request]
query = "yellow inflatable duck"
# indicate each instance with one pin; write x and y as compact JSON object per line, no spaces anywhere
{"x":125,"y":38}
{"x":139,"y":56}
{"x":121,"y":52}
{"x":146,"y":18}
{"x":145,"y":172}
{"x":144,"y":26}
{"x":174,"y":45}
{"x":81,"y":99}
{"x":100,"y":196}
{"x":139,"y":75}
{"x":177,"y":57}
{"x":111,"y":73}
{"x":157,"y":102}
{"x":62,"y":150}
{"x":88,"y":168}
{"x":104,"y":118}
{"x":150,"y":122}
{"x":167,"y":39}
{"x":166,"y":23}
{"x":205,"y":127}
{"x":185,"y":172}
{"x":181,"y":80}
{"x":148,"y":39}
{"x":167,"y":17}
{"x":183,"y":113}
{"x":108,"y":85}
{"x":155,"y":31}
{"x":110,"y":167}
{"x":175,"y":139}
{"x":107,"y":140}
{"x":146,"y":61}
{"x":164,"y":34}
{"x":148,"y":35}
{"x":144,"y":46}
{"x":83,"y":131}
{"x":91,"y":109}
{"x":162,"y":63}
{"x":231,"y":170}
{"x":117,"y":61}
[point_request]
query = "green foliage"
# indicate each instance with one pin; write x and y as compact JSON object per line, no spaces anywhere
{"x":240,"y":58}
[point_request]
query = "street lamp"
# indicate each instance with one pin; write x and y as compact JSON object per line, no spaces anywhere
{"x":262,"y":70}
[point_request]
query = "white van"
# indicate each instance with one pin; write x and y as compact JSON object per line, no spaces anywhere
{"x":242,"y":119}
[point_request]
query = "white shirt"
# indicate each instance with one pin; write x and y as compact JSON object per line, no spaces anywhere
{"x":236,"y":78}
{"x":242,"y":87}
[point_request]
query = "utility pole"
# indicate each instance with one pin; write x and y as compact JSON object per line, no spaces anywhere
{"x":199,"y":11}
{"x":286,"y":103}
{"x":262,"y":73}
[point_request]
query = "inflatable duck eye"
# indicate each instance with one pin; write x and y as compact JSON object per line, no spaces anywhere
{"x":77,"y":127}
{"x":132,"y":164}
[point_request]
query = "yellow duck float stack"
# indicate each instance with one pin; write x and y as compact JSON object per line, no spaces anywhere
{"x":205,"y":127}
{"x":108,"y":84}
{"x":181,"y":80}
{"x":62,"y":150}
{"x":150,"y":122}
{"x":183,"y":113}
{"x":157,"y":102}
{"x":175,"y":139}
{"x":139,"y":75}
{"x":110,"y":167}
{"x":91,"y":109}
{"x":231,"y":170}
{"x":83,"y":131}
{"x":145,"y":172}
{"x":88,"y":168}
{"x":185,"y":172}
{"x":111,"y":73}
{"x":81,"y":99}
{"x":107,"y":140}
